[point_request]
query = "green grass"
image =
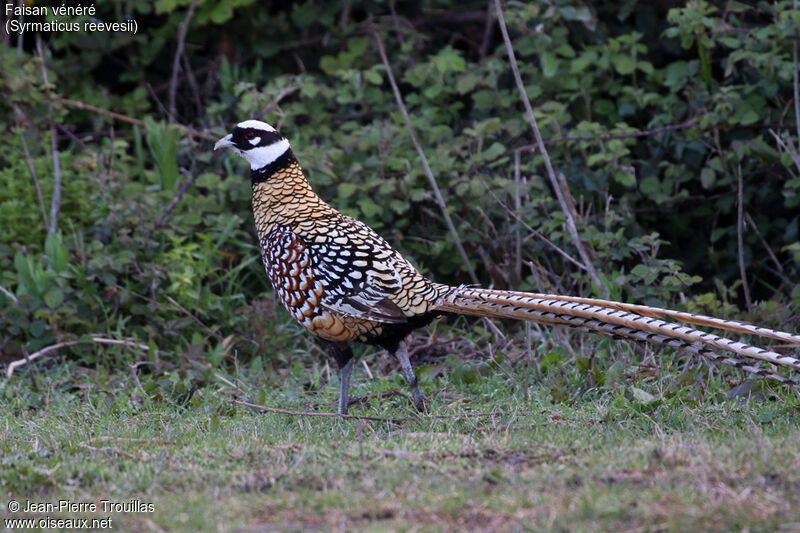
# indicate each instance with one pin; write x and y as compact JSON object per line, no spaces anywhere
{"x":602,"y":461}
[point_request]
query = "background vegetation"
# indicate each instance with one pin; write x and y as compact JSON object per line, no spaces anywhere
{"x":659,"y":115}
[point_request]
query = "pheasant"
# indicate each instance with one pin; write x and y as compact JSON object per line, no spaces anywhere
{"x":344,"y":283}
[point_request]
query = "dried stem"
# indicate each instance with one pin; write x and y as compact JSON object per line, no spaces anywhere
{"x":490,"y":414}
{"x":795,"y":83}
{"x":767,"y":247}
{"x":564,"y":198}
{"x":55,"y":201}
{"x":54,"y":347}
{"x":740,"y":240}
{"x":175,"y":199}
{"x":487,"y":32}
{"x":428,"y":172}
{"x":529,"y":357}
{"x":176,"y":62}
{"x":517,"y":207}
{"x":124,"y":118}
{"x":32,"y":170}
{"x":9,"y":294}
{"x":311,"y":413}
{"x":537,"y":233}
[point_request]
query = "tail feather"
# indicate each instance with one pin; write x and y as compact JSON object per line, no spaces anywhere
{"x":533,"y":307}
{"x":682,"y":316}
{"x":626,"y":333}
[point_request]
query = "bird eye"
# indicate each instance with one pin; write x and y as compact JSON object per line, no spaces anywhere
{"x":249,"y":135}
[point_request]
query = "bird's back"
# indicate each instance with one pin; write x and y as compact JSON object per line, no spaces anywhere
{"x":335,"y":275}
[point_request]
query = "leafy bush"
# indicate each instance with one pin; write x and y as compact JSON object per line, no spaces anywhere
{"x":651,"y":112}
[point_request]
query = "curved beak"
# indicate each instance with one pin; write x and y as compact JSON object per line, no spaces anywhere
{"x":225,"y":142}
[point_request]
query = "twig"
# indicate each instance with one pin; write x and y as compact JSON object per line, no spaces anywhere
{"x":198,"y":101}
{"x":740,"y":239}
{"x":175,"y":199}
{"x":32,"y":171}
{"x":286,"y":91}
{"x":537,"y":233}
{"x":517,"y":207}
{"x":795,"y":83}
{"x":788,"y":146}
{"x":107,"y":438}
{"x":366,"y":369}
{"x":54,"y":347}
{"x":176,"y":62}
{"x":380,"y":395}
{"x":134,"y":372}
{"x":529,"y":357}
{"x":609,"y":136}
{"x":325,"y":415}
{"x":72,"y":136}
{"x":437,"y":193}
{"x":567,"y":204}
{"x":99,"y":111}
{"x":768,"y":248}
{"x":107,"y":449}
{"x":33,"y":373}
{"x":487,"y":33}
{"x":9,"y":294}
{"x":190,"y":315}
{"x":396,"y":23}
{"x":361,"y":417}
{"x":55,"y":201}
{"x":125,"y":118}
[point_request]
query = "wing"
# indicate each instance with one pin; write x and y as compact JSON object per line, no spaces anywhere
{"x":359,"y":271}
{"x":343,"y":269}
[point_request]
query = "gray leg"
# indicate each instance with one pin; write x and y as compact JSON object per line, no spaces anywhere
{"x":344,"y":386}
{"x":420,"y":402}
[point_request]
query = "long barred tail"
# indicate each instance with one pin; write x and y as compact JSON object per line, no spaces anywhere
{"x":681,"y":316}
{"x":615,"y":319}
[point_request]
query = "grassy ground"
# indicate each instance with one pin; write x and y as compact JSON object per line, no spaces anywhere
{"x":629,"y":457}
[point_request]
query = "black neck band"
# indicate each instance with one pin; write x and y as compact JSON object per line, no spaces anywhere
{"x":264,"y":173}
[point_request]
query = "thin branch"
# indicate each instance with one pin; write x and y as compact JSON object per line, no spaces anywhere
{"x":537,"y":233}
{"x":32,"y":171}
{"x":9,"y":294}
{"x":54,"y":347}
{"x":517,"y":207}
{"x":788,"y":147}
{"x":190,"y":315}
{"x":190,"y":77}
{"x":370,"y":418}
{"x":795,"y":84}
{"x":55,"y":201}
{"x":176,"y":62}
{"x":740,"y":239}
{"x":529,"y":358}
{"x":396,"y":23}
{"x":175,"y":199}
{"x":487,"y":32}
{"x":99,"y":110}
{"x":609,"y":136}
{"x":107,"y":438}
{"x":567,"y":204}
{"x":124,"y":118}
{"x":767,"y":247}
{"x":428,"y":172}
{"x":286,"y":91}
{"x":310,"y":413}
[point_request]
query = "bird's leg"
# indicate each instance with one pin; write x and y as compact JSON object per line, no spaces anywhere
{"x":344,"y":386}
{"x":420,"y":402}
{"x":343,"y":355}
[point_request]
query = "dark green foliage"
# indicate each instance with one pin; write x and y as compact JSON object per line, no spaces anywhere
{"x":658,"y":209}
